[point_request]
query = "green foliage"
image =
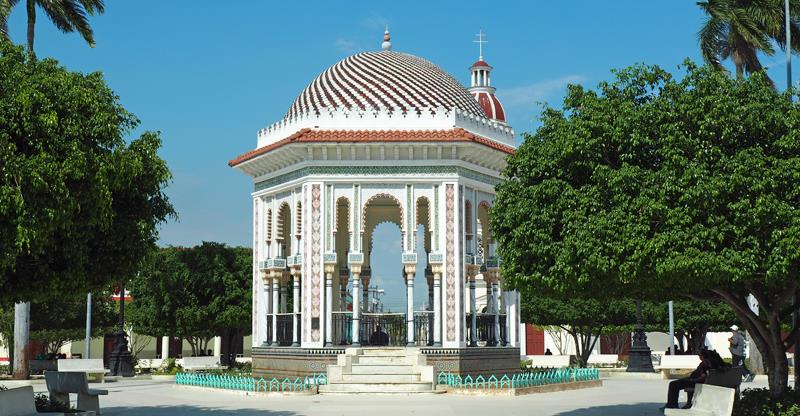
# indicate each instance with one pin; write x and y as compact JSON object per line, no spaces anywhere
{"x":79,"y":206}
{"x":193,"y":293}
{"x":740,"y":30}
{"x":63,"y":319}
{"x":658,"y":187}
{"x":67,"y":16}
{"x":45,"y":404}
{"x":759,"y":402}
{"x":169,"y":367}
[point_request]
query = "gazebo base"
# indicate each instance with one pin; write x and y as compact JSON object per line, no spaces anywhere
{"x":307,"y":362}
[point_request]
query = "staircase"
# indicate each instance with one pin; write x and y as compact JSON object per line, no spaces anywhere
{"x":380,"y":370}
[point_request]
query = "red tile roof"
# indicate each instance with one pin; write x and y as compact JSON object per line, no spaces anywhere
{"x":308,"y":135}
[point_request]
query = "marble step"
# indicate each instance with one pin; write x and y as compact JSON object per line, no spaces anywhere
{"x":380,"y":377}
{"x":377,"y":387}
{"x":382,"y":368}
{"x":382,"y":359}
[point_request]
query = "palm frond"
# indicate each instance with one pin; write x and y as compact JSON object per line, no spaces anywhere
{"x":75,"y":13}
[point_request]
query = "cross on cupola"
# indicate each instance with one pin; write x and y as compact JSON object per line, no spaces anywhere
{"x":481,"y":84}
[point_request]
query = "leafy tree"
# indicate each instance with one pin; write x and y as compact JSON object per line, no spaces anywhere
{"x":79,"y":205}
{"x":741,"y":29}
{"x":67,"y":15}
{"x":693,"y":319}
{"x":585,"y":319}
{"x":63,"y":319}
{"x":194,"y":293}
{"x":659,"y":187}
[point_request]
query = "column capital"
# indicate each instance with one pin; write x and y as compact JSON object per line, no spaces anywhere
{"x":411,"y":270}
{"x":329,"y":269}
{"x":437,"y":269}
{"x":296,"y":272}
{"x":355,"y":268}
{"x":472,"y":271}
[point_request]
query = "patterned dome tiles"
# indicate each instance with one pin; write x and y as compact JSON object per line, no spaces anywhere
{"x":385,"y":79}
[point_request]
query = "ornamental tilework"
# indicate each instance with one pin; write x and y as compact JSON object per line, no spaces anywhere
{"x":316,"y":258}
{"x":451,"y":275}
{"x":411,"y":171}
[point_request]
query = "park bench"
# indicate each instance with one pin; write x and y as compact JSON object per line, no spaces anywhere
{"x":678,"y":362}
{"x":149,"y":363}
{"x":548,"y":361}
{"x":603,"y":360}
{"x":202,"y":363}
{"x":92,"y":366}
{"x":708,"y":400}
{"x":61,"y":383}
{"x":17,"y":402}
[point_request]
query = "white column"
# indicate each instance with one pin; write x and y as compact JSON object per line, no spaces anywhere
{"x":217,"y":346}
{"x":164,"y":347}
{"x":296,"y":307}
{"x":329,"y":268}
{"x":275,"y":304}
{"x":473,"y":325}
{"x":410,"y":307}
{"x":356,"y":305}
{"x":513,"y":325}
{"x":496,"y":308}
{"x":267,"y":339}
{"x":437,"y":306}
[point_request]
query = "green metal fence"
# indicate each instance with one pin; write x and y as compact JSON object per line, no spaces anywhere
{"x":247,"y":383}
{"x":541,"y":378}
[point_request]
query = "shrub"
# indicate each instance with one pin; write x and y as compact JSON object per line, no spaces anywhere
{"x":758,"y":402}
{"x":169,"y":367}
{"x":44,"y":404}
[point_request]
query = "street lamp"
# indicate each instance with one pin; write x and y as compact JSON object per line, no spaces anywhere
{"x":120,"y":361}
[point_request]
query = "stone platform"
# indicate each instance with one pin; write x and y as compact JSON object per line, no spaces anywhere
{"x":305,"y":362}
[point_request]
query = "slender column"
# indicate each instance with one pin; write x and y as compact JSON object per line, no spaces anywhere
{"x":356,"y":270}
{"x":473,"y":309}
{"x":329,"y":269}
{"x":296,"y":273}
{"x":496,"y":308}
{"x":164,"y":347}
{"x":411,"y":270}
{"x":217,"y":346}
{"x":437,"y":305}
{"x":266,"y":280}
{"x":275,"y":304}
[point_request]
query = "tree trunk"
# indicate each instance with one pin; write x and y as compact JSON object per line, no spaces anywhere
{"x":31,"y":9}
{"x":22,"y":322}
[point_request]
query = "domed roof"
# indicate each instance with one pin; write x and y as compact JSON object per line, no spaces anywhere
{"x":491,"y":105}
{"x":387,"y":80}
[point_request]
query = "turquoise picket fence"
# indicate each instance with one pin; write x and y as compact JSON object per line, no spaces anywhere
{"x":246,"y":383}
{"x":541,"y":378}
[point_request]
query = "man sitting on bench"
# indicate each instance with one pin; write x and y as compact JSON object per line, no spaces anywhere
{"x":379,"y":338}
{"x":709,"y":359}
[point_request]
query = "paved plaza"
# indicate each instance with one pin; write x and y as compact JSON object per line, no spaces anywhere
{"x":617,"y":397}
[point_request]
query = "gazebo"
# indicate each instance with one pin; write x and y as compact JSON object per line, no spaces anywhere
{"x":380,"y":137}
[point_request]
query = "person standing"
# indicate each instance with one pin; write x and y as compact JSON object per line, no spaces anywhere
{"x":737,"y":352}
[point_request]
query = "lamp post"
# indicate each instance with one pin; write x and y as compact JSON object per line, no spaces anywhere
{"x":120,"y":361}
{"x":639,"y":355}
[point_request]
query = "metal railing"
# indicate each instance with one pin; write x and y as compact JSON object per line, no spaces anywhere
{"x":342,"y":329}
{"x":392,"y":329}
{"x":248,"y":383}
{"x":486,"y":332}
{"x":540,"y":378}
{"x":285,"y":329}
{"x":423,"y":328}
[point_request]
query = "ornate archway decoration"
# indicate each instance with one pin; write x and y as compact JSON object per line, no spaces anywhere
{"x":378,"y":196}
{"x":336,"y":214}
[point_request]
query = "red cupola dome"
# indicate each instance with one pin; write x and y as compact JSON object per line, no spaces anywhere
{"x":482,"y":89}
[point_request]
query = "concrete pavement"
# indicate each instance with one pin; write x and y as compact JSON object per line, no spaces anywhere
{"x":617,"y":397}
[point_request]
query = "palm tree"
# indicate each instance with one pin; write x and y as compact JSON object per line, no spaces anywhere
{"x":741,"y":29}
{"x":68,"y":16}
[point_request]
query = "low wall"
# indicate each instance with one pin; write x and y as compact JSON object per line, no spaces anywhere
{"x":484,"y":361}
{"x":521,"y":391}
{"x":292,"y":362}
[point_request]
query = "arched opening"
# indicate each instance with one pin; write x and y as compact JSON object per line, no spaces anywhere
{"x":423,"y":281}
{"x":342,"y":247}
{"x":383,"y":277}
{"x":484,"y":237}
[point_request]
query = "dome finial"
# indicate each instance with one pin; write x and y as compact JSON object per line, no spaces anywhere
{"x":386,"y":45}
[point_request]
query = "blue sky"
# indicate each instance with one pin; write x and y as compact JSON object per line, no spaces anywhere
{"x":208,"y":77}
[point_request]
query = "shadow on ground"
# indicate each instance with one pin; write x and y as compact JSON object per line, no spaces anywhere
{"x":637,"y":409}
{"x":186,"y":410}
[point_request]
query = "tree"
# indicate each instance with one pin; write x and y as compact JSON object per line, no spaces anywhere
{"x":741,"y":29}
{"x":79,"y":205}
{"x":693,"y":320}
{"x":194,"y":293}
{"x":63,"y":319}
{"x":584,"y":319}
{"x":67,"y":15}
{"x":659,"y":187}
